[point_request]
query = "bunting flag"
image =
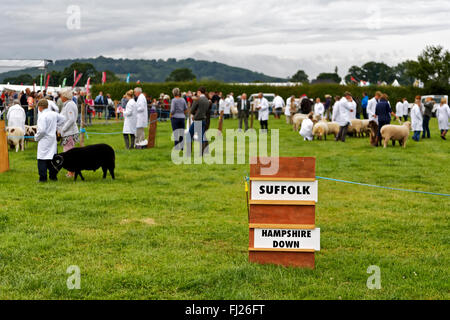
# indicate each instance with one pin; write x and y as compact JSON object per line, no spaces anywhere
{"x":353,"y":79}
{"x":103,"y":77}
{"x":41,"y":81}
{"x":78,"y":79}
{"x":64,"y":82}
{"x":46,"y":82}
{"x":74,"y":75}
{"x":88,"y":84}
{"x":128,"y":78}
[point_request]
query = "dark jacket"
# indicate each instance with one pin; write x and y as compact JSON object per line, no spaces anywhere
{"x":243,"y":112}
{"x":383,"y":111}
{"x":200,"y":108}
{"x":428,"y":109}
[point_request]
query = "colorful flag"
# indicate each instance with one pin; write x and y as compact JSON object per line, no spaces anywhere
{"x":41,"y":81}
{"x":103,"y":77}
{"x":64,"y":82}
{"x":128,"y":78}
{"x":46,"y":82}
{"x":88,"y":84}
{"x":353,"y":79}
{"x":78,"y":79}
{"x":74,"y":75}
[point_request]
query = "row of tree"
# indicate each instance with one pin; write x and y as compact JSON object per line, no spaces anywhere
{"x":432,"y":68}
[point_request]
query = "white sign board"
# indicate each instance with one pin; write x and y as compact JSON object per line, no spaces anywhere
{"x":284,"y":190}
{"x":287,"y":239}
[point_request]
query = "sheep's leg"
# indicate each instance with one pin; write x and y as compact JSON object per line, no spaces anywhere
{"x":105,"y":170}
{"x":81,"y":176}
{"x":22,"y":144}
{"x":76,"y":176}
{"x":393,"y":143}
{"x":17,"y":146}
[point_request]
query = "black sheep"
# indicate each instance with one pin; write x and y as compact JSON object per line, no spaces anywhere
{"x":87,"y":158}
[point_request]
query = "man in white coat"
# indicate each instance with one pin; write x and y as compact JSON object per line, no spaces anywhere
{"x":47,"y":123}
{"x":417,"y":120}
{"x":278,"y":105}
{"x":319,"y":109}
{"x":16,"y":116}
{"x":229,"y":101}
{"x":341,"y":115}
{"x":141,"y":115}
{"x":443,"y":115}
{"x":405,"y":109}
{"x":372,"y":107}
{"x":306,"y":130}
{"x":263,"y":114}
{"x":399,"y":109}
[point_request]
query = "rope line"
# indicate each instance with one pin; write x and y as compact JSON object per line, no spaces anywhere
{"x":382,"y":187}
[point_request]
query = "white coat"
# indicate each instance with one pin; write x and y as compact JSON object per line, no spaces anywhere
{"x":307,"y":129}
{"x":371,"y":109}
{"x":416,"y":118}
{"x":353,"y":107}
{"x":222,"y":105}
{"x":52,"y":106}
{"x":287,"y":111}
{"x":142,"y":112}
{"x":47,"y":123}
{"x":130,"y":115}
{"x":443,"y":115}
{"x":263,"y":114}
{"x":16,"y":117}
{"x":70,"y":113}
{"x":319,"y":109}
{"x":405,"y":108}
{"x":399,"y":109}
{"x":228,"y":103}
{"x":278,"y":102}
{"x":341,"y":114}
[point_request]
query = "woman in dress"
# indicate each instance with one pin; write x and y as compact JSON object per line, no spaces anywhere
{"x":443,"y":114}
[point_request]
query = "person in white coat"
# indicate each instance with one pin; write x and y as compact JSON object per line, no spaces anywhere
{"x":319,"y":109}
{"x":278,"y":105}
{"x":16,"y":116}
{"x":290,"y":106}
{"x":229,"y":101}
{"x":399,"y":109}
{"x":417,"y":119}
{"x":443,"y":115}
{"x":51,"y":104}
{"x":69,"y":131}
{"x":129,"y":124}
{"x":341,"y":115}
{"x":405,"y":109}
{"x":306,"y":130}
{"x":372,"y":107}
{"x":141,"y":115}
{"x":263,"y":114}
{"x":47,"y":123}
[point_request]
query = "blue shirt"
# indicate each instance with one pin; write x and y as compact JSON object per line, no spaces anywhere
{"x":365,"y":102}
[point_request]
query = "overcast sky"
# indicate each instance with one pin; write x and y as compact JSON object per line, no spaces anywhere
{"x":276,"y":37}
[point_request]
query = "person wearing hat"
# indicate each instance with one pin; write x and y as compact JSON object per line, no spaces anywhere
{"x":342,"y":115}
{"x":45,"y":136}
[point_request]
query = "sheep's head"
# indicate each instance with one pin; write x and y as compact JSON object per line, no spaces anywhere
{"x":57,"y":162}
{"x":408,"y":125}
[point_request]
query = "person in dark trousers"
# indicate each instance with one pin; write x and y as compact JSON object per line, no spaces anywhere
{"x":364,"y":103}
{"x":178,"y":110}
{"x":328,"y":106}
{"x":383,"y":112}
{"x":428,"y":113}
{"x":199,"y":109}
{"x":243,"y":107}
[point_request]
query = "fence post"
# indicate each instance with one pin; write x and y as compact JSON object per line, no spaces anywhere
{"x":152,"y":130}
{"x":4,"y":156}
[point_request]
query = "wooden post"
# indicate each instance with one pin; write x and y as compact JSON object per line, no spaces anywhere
{"x":152,"y":130}
{"x":82,"y":125}
{"x":116,"y":103}
{"x":4,"y":156}
{"x":282,"y":221}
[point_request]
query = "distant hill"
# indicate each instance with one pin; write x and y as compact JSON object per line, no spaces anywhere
{"x":158,"y":70}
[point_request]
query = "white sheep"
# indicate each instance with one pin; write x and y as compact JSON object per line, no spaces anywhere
{"x":396,"y":133}
{"x":333,"y":128}
{"x":320,"y":130}
{"x":16,"y":138}
{"x":297,"y":121}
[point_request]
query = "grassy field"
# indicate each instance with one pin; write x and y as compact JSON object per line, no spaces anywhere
{"x":162,"y":231}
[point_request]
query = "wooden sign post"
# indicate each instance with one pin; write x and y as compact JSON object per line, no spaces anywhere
{"x":152,"y":130}
{"x":282,"y":217}
{"x":4,"y":156}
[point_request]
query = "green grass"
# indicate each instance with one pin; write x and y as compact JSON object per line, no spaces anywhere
{"x":197,"y":246}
